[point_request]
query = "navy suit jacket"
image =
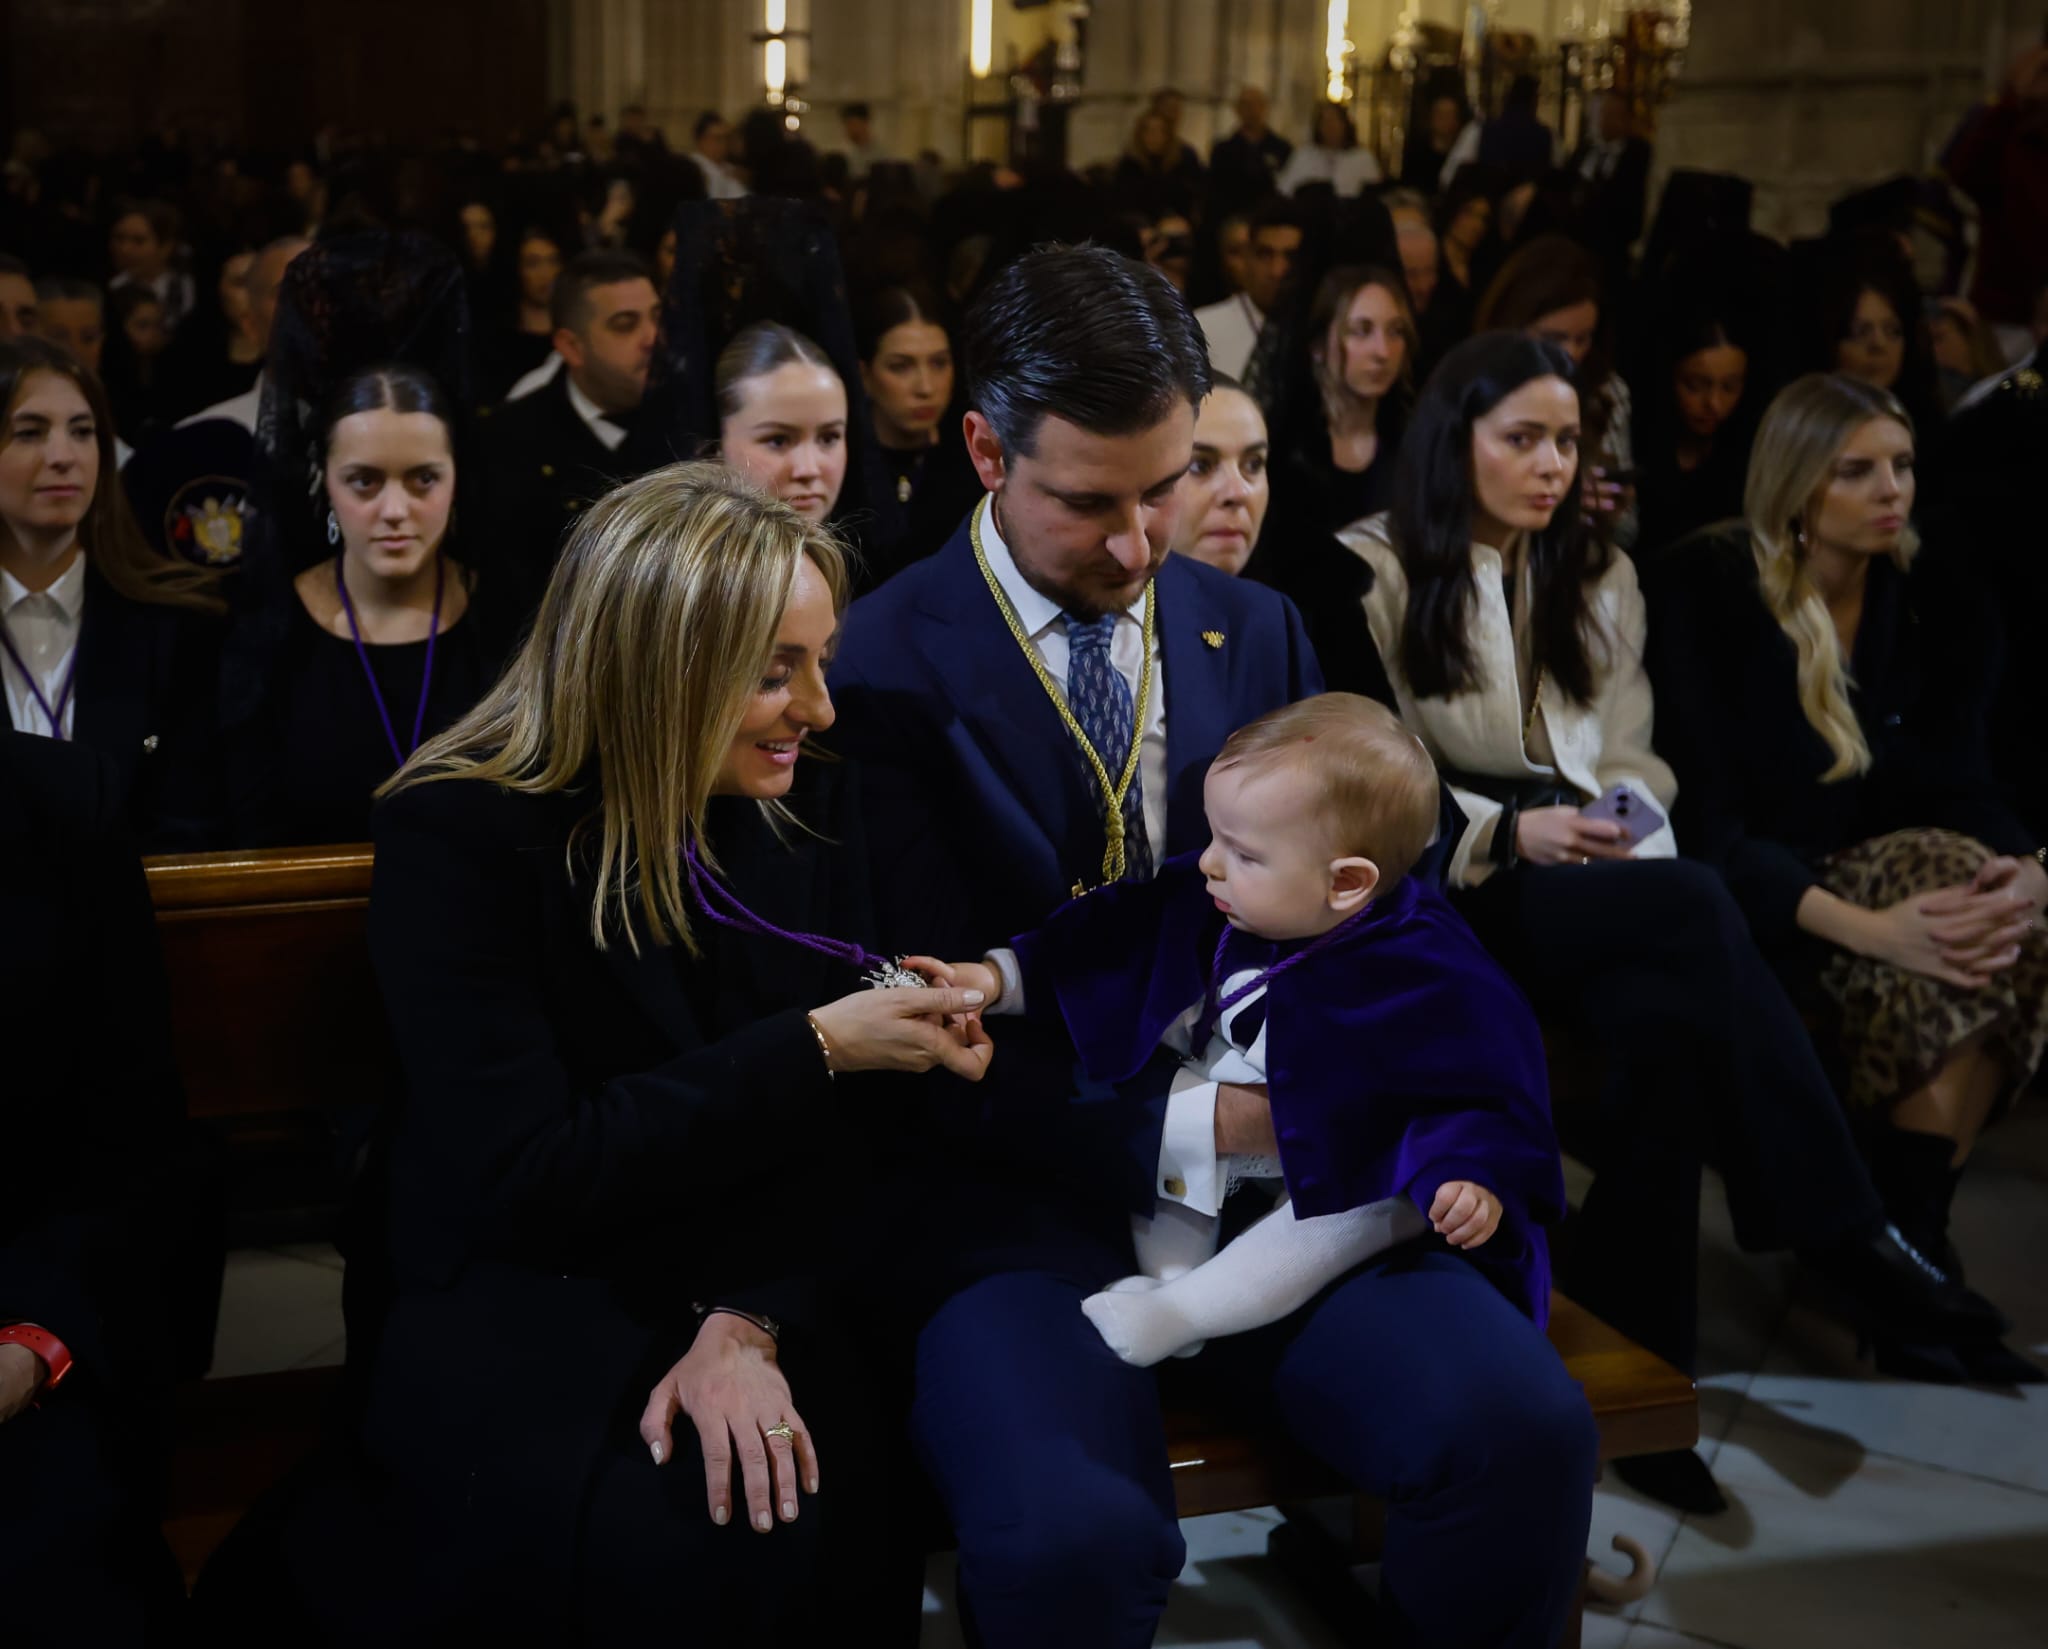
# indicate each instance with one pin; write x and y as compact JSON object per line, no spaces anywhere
{"x":980,"y":818}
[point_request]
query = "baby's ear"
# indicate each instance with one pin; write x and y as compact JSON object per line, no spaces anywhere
{"x":1353,"y":882}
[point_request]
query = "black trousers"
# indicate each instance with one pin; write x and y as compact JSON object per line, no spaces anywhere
{"x":78,"y":1547}
{"x":1706,"y":1060}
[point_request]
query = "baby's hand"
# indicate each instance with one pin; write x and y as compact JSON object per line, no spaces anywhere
{"x":1465,"y":1213}
{"x":970,"y":976}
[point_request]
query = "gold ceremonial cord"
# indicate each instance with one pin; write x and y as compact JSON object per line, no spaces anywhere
{"x":1113,"y":861}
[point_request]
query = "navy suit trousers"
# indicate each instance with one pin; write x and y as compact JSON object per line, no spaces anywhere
{"x":1413,"y":1377}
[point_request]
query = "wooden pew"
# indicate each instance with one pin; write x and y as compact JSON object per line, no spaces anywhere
{"x":277,"y":1014}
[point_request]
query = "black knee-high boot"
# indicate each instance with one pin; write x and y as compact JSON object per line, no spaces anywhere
{"x":1913,"y":1176}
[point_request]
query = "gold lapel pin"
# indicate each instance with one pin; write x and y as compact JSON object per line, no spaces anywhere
{"x":1213,"y":637}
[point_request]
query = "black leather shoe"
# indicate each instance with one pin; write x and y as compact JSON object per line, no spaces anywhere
{"x":1894,"y":1289}
{"x":1678,"y":1479}
{"x":1982,"y":1360}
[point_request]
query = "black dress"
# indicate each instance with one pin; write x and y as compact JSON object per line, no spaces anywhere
{"x":306,"y":770}
{"x":590,"y":1141}
{"x":92,"y":1109}
{"x":1674,"y":502}
{"x":1751,"y":800}
{"x":930,"y":490}
{"x":1298,"y":555}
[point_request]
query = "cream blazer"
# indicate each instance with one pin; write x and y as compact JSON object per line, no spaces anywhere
{"x":1593,"y":745}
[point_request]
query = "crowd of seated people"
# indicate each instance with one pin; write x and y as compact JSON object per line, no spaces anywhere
{"x":898,"y":553}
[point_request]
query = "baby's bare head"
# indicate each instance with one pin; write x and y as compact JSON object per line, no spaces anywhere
{"x":1369,"y":782}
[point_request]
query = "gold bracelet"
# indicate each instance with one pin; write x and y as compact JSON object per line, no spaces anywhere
{"x":824,"y":1047}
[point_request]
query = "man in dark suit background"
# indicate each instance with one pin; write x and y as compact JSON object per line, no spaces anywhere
{"x":1610,"y":175}
{"x":553,"y":452}
{"x":965,"y":689}
{"x":1244,"y":168}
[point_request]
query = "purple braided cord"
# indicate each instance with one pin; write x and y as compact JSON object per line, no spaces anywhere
{"x":1213,"y":1015}
{"x":419,"y":716}
{"x":705,"y":889}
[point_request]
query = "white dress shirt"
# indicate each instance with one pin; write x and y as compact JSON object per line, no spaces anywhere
{"x":612,"y":435}
{"x":43,"y":625}
{"x":1045,"y":624}
{"x":1348,"y":172}
{"x":539,"y":378}
{"x":236,"y":409}
{"x":719,"y":183}
{"x":1231,"y":330}
{"x":1187,"y":1158}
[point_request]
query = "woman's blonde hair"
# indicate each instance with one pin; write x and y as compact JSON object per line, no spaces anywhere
{"x":654,"y":634}
{"x":1802,"y":434}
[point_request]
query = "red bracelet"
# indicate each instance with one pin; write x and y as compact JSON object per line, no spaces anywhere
{"x":54,"y":1354}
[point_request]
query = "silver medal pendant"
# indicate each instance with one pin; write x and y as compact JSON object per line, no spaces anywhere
{"x":890,"y":974}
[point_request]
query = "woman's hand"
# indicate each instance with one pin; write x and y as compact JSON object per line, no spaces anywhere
{"x":907,"y":1029}
{"x":1958,"y":935}
{"x":21,"y":1377}
{"x":729,"y":1386}
{"x":1563,"y":836}
{"x":2025,"y":876}
{"x":969,"y":976}
{"x":1600,"y":497}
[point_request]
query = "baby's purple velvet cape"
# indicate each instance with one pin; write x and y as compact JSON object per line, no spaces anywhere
{"x":1397,"y":1058}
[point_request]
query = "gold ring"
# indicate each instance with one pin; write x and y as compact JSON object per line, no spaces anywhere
{"x":782,"y":1429}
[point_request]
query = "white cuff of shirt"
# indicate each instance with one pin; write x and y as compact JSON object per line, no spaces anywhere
{"x":1005,"y":963}
{"x":1188,"y":1169}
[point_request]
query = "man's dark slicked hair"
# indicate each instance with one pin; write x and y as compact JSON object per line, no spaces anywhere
{"x":1082,"y":332}
{"x":569,"y":305}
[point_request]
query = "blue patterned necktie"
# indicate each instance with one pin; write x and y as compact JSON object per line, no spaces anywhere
{"x":1101,"y":701}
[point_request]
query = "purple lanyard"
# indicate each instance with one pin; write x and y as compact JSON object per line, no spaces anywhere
{"x":55,"y":717}
{"x":882,"y":972}
{"x":1214,"y":1010}
{"x":419,"y":716}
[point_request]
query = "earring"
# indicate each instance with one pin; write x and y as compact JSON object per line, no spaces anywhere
{"x":333,"y":529}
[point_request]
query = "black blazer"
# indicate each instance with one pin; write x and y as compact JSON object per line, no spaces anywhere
{"x":1611,"y":208}
{"x":544,"y":468}
{"x":147,"y":678}
{"x":1749,"y":765}
{"x":91,"y":1104}
{"x":589,"y":1142}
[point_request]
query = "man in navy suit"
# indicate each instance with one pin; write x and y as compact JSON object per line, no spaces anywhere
{"x":1018,"y":739}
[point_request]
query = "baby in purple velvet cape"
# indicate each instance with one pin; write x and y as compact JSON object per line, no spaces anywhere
{"x":1296,"y":958}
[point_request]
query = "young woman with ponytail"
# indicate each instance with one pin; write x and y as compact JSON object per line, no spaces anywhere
{"x":1821,"y":692}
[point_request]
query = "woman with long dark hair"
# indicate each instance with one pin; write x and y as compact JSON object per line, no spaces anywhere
{"x":1864,"y":321}
{"x":1825,"y":693}
{"x":907,"y":369}
{"x":1553,"y":289}
{"x":1513,"y":640}
{"x":1337,"y":423}
{"x":1694,"y":424}
{"x":102,"y":640}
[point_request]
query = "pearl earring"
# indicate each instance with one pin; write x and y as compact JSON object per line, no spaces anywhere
{"x":333,"y":529}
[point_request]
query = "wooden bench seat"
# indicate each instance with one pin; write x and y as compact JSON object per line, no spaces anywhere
{"x":277,"y":1012}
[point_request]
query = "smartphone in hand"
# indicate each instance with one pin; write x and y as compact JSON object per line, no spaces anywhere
{"x":1638,"y":815}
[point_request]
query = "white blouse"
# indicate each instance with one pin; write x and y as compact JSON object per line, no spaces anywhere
{"x":1589,"y":746}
